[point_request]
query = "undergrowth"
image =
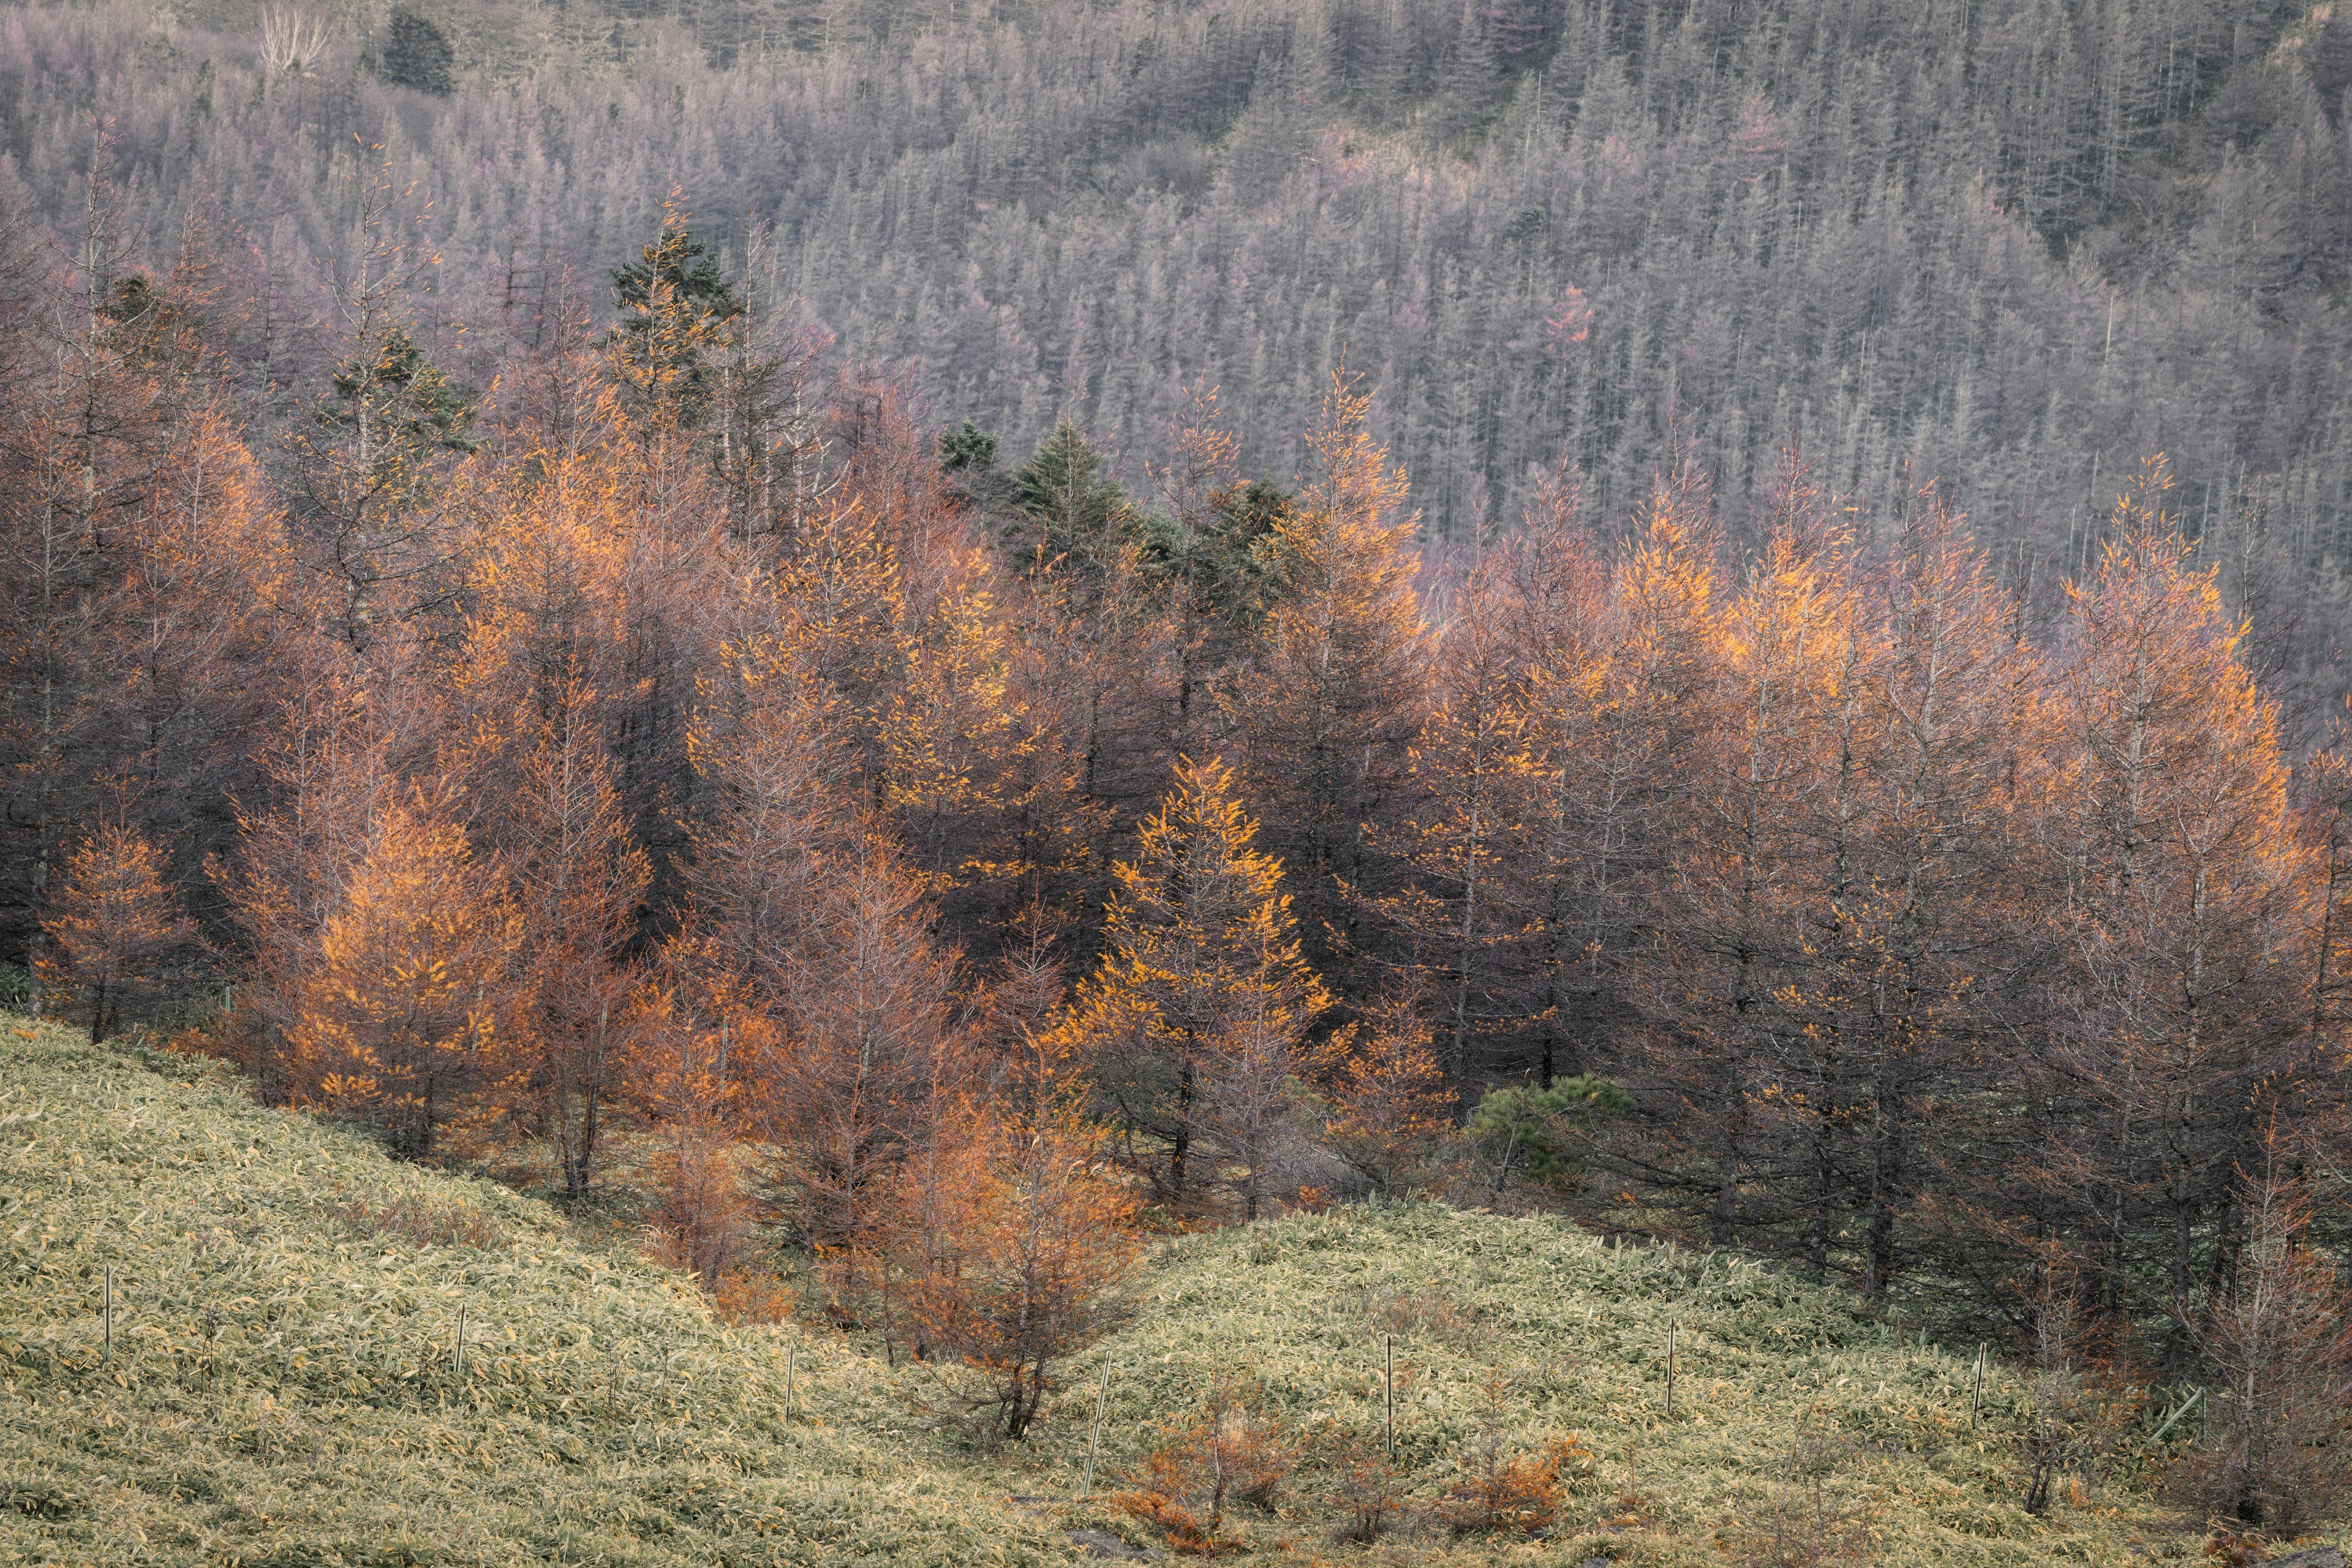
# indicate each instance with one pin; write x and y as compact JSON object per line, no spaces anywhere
{"x":284,"y":1386}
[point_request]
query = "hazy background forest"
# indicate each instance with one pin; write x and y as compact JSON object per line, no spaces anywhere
{"x":2014,"y":247}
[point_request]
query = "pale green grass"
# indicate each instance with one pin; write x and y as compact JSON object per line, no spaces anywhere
{"x":281,"y":1389}
{"x":1584,"y":1328}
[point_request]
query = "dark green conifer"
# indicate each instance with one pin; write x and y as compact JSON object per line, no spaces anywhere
{"x":417,"y":53}
{"x":1067,"y":516}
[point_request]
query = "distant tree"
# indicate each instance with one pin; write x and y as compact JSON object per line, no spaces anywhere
{"x":865,"y":1041}
{"x":685,"y":1081}
{"x":371,"y":464}
{"x":675,"y":304}
{"x":416,"y":52}
{"x":2167,"y":825}
{"x":1336,"y":673}
{"x":968,"y":447}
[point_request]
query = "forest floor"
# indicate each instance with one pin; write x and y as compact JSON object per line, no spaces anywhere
{"x":281,"y":1385}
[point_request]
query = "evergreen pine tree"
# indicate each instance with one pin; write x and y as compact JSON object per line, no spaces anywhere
{"x":417,"y":53}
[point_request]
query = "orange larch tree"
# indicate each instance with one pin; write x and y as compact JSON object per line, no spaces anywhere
{"x":1011,"y":1237}
{"x":2182,"y":898}
{"x":114,"y":929}
{"x":1199,"y":940}
{"x":398,"y":1022}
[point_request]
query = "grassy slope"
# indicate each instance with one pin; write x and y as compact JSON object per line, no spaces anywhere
{"x":281,"y":1390}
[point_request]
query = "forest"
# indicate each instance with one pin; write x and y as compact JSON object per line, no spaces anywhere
{"x":965,"y":644}
{"x":2013,"y":246}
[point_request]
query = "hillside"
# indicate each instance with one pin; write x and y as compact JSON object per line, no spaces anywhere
{"x":281,"y":1389}
{"x":2014,"y":247}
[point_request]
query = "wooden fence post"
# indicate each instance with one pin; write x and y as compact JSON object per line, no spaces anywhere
{"x":1094,"y":1431}
{"x":1672,"y":1328}
{"x":1388,"y":1417}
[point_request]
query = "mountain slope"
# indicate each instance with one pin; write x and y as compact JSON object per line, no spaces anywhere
{"x":282,"y":1389}
{"x":2014,"y":245}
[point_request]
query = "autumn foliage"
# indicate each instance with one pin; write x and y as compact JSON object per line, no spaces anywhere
{"x":650,"y":750}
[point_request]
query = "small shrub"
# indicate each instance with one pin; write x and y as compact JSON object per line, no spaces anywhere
{"x":1232,"y":1453}
{"x":749,"y":1296}
{"x":2229,"y":1547}
{"x":1514,"y":1492}
{"x":1541,"y":1135}
{"x":424,"y":1224}
{"x":1365,"y":1488}
{"x":1814,"y":1521}
{"x":1429,"y":1313}
{"x":2078,"y":1415}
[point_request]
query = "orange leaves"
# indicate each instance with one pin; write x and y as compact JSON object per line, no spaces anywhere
{"x":1232,"y":1453}
{"x":399,"y":1020}
{"x":114,"y":923}
{"x":1197,"y":1016}
{"x":1391,"y":1103}
{"x":1009,"y":1236}
{"x":1519,"y":1493}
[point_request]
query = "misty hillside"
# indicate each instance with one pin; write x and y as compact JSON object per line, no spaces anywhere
{"x":2016,"y":247}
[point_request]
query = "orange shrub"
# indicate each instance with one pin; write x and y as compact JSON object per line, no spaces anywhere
{"x":1231,"y":1453}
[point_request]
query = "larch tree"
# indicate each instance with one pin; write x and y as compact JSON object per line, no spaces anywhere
{"x":1575,"y":860}
{"x":579,"y":878}
{"x":1199,"y":940}
{"x":1390,"y":1103}
{"x":1332,"y":692}
{"x":1469,"y":770}
{"x":1013,"y":1237}
{"x":1738,"y":879}
{"x":398,"y":1025}
{"x":866,"y":1038}
{"x":2178,"y":892}
{"x":114,"y":929}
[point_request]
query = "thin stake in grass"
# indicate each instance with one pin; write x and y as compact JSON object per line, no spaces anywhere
{"x":1094,"y":1433}
{"x":792,"y":1354}
{"x":108,"y":1354}
{"x":461,"y":1341}
{"x":1388,"y":1418}
{"x":1976,"y":1395}
{"x":1673,"y":1326}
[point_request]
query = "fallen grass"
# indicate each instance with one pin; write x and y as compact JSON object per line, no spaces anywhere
{"x":284,"y":1386}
